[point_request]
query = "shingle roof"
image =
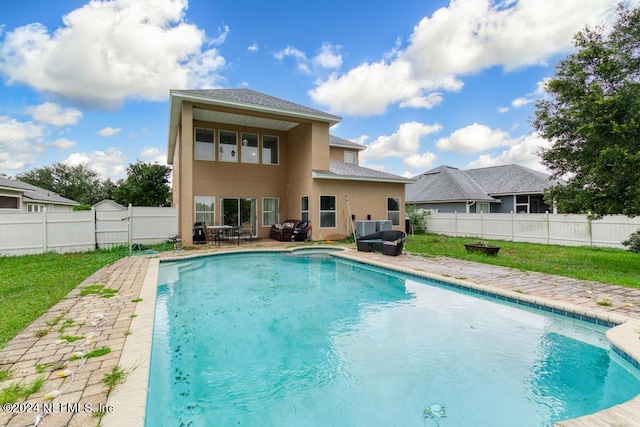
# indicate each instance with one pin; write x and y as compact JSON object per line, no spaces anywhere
{"x":336,"y":141}
{"x":445,"y":183}
{"x":511,"y":179}
{"x":448,"y":184}
{"x":340,"y":170}
{"x":251,"y":97}
{"x":35,"y":194}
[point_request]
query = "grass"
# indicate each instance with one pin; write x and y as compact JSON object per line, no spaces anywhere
{"x":607,"y":265}
{"x":31,"y":284}
{"x":93,"y":353}
{"x":16,"y":391}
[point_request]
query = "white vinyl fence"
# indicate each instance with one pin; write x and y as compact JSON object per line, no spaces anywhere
{"x":78,"y":231}
{"x":558,"y":229}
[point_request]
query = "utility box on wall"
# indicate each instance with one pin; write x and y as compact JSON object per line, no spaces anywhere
{"x":367,"y":227}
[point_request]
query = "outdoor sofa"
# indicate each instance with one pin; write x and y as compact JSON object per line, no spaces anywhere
{"x":389,"y":242}
{"x":284,"y":231}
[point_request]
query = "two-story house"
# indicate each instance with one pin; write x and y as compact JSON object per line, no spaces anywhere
{"x":241,"y":157}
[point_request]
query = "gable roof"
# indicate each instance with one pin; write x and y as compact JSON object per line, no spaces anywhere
{"x":257,"y":105}
{"x":31,"y":193}
{"x":336,"y":141}
{"x":346,"y":171}
{"x":449,"y":184}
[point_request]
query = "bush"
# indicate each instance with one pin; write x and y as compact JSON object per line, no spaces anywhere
{"x":417,"y":219}
{"x":82,"y":208}
{"x":633,"y":242}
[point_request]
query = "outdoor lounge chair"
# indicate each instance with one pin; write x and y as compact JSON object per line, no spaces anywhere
{"x":389,"y":242}
{"x":284,"y":231}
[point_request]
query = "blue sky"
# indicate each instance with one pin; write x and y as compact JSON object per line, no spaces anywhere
{"x":421,"y":83}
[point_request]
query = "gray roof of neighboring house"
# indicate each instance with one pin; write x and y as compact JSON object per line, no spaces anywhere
{"x":336,"y":141}
{"x":444,"y":184}
{"x":35,"y":194}
{"x":511,"y":179}
{"x":448,"y":184}
{"x":346,"y":171}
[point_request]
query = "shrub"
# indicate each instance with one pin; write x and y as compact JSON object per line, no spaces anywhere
{"x":633,"y":242}
{"x":417,"y":219}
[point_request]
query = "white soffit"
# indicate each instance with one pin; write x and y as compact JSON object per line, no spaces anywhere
{"x":241,"y":120}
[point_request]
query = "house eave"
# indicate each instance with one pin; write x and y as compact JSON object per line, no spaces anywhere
{"x":321,"y":175}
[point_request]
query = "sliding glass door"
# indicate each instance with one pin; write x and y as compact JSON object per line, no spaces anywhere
{"x":239,"y":212}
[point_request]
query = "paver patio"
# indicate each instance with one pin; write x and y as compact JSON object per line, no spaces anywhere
{"x":124,"y":326}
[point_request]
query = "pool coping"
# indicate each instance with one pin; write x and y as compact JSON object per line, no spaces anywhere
{"x":130,"y":399}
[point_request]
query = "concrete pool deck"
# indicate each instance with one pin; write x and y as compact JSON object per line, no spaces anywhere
{"x":124,"y":323}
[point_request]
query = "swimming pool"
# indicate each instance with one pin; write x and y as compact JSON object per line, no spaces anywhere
{"x":267,"y":339}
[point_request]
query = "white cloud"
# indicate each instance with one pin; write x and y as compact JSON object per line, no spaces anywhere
{"x":521,"y":102}
{"x":63,"y":144}
{"x":107,"y":51}
{"x":524,"y":153}
{"x":420,"y":161}
{"x":404,"y":142}
{"x":153,"y":155}
{"x":431,"y":100}
{"x":299,"y":56}
{"x":461,"y":39}
{"x":328,"y":56}
{"x":473,"y":139}
{"x":109,"y":164}
{"x":109,"y":131}
{"x":53,"y":114}
{"x":13,"y":131}
{"x":253,"y":48}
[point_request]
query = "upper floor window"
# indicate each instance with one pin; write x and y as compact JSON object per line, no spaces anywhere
{"x":228,"y":146}
{"x":249,"y":153}
{"x":270,"y":150}
{"x":304,"y":208}
{"x":328,"y":211}
{"x":350,"y":157}
{"x":205,"y":144}
{"x":393,"y":210}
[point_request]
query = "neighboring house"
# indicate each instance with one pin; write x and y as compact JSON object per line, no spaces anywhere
{"x":496,"y":189}
{"x":18,"y":196}
{"x":108,"y":205}
{"x":245,"y":158}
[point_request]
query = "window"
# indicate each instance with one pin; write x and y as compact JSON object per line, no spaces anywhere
{"x":483,"y":207}
{"x":270,"y":208}
{"x":393,"y":210}
{"x":249,"y":153}
{"x":205,"y":147}
{"x":327,"y":211}
{"x":522,"y":203}
{"x":7,"y":202}
{"x":35,"y":208}
{"x":228,"y":146}
{"x":350,"y":157}
{"x":304,"y":208}
{"x":205,"y":209}
{"x":269,"y":150}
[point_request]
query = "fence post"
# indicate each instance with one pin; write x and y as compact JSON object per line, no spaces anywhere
{"x":455,"y":223}
{"x":481,"y":225}
{"x":512,"y":225}
{"x":547,"y":218}
{"x":130,"y":227}
{"x":589,"y":228}
{"x":45,"y":232}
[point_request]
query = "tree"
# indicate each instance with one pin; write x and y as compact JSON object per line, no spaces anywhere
{"x":146,"y":185}
{"x":77,"y":183}
{"x":592,"y":118}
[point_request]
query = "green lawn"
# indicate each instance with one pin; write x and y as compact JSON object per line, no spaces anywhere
{"x":614,"y":266}
{"x":31,"y":284}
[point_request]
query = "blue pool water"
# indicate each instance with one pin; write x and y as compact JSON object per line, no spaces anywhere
{"x":276,"y":340}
